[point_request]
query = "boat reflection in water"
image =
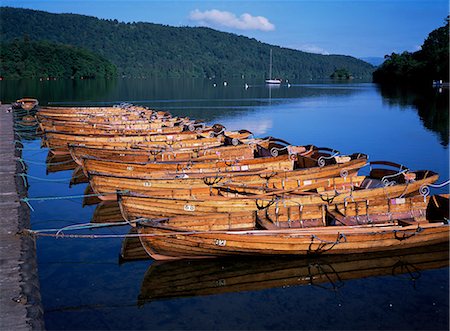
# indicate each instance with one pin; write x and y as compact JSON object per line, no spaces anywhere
{"x":187,"y":278}
{"x":57,"y":163}
{"x":107,"y":212}
{"x":132,"y":249}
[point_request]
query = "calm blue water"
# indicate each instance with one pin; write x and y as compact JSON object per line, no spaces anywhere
{"x":84,"y":286}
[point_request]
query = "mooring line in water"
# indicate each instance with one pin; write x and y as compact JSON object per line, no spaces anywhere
{"x":24,"y":177}
{"x":22,"y":160}
{"x":40,"y":233}
{"x":103,"y":236}
{"x":27,"y":200}
{"x":83,"y":226}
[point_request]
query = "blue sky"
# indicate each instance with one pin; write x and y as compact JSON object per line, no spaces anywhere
{"x":360,"y":28}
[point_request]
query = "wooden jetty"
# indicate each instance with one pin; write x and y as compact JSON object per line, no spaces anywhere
{"x":20,"y":307}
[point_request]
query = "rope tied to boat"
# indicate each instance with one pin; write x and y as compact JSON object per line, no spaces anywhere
{"x":211,"y":180}
{"x":22,"y":161}
{"x":407,"y":235}
{"x":27,"y":200}
{"x":324,"y":243}
{"x":24,"y":177}
{"x":328,"y":199}
{"x":262,"y":205}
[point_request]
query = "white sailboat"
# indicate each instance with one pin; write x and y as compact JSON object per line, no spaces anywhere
{"x":272,"y":81}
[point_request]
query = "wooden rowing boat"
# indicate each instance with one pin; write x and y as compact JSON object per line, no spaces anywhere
{"x":27,"y":103}
{"x":81,"y":113}
{"x":201,"y":186}
{"x":58,"y":142}
{"x":163,"y":242}
{"x":135,"y":155}
{"x":137,"y":205}
{"x":332,"y":176}
{"x":85,"y":129}
{"x":94,"y":125}
{"x":295,"y":157}
{"x":188,"y":278}
{"x":278,"y":163}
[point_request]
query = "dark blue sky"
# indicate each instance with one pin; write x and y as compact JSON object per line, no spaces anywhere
{"x":360,"y":28}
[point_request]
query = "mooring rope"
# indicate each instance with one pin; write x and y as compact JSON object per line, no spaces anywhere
{"x":27,"y":200}
{"x":24,"y":177}
{"x":84,"y":226}
{"x":19,"y":159}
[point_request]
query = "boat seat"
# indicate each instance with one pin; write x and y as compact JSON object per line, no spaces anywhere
{"x":368,"y":183}
{"x":410,"y":221}
{"x":265,"y":224}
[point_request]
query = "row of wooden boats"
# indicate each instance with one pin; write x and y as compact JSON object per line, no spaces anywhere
{"x":194,"y":190}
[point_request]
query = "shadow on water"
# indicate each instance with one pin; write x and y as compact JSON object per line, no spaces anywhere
{"x":432,"y":106}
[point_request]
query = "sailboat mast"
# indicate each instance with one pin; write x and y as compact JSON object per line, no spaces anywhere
{"x":270,"y":66}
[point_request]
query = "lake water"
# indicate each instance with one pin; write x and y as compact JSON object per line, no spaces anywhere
{"x":85,"y":285}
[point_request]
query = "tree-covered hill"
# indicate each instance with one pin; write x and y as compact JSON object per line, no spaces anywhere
{"x":25,"y":59}
{"x":421,"y":67}
{"x":146,"y":49}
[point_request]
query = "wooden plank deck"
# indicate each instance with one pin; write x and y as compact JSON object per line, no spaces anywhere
{"x":20,"y":304}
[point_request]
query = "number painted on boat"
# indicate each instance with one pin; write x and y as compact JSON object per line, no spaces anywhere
{"x":220,"y":242}
{"x":189,"y":207}
{"x":147,"y":184}
{"x":130,"y":168}
{"x":398,"y":201}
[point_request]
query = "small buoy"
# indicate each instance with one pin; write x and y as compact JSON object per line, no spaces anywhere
{"x":214,"y":84}
{"x":225,"y":83}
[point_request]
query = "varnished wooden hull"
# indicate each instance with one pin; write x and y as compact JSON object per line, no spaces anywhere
{"x":58,"y":142}
{"x":137,"y":205}
{"x":201,"y":186}
{"x":279,"y":163}
{"x":187,"y":278}
{"x":274,"y":167}
{"x":242,"y":151}
{"x":27,"y":103}
{"x":111,"y":130}
{"x":154,"y":142}
{"x":165,"y":243}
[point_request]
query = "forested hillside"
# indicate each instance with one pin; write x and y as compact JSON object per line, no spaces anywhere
{"x":25,"y":59}
{"x":145,"y":49}
{"x":421,"y":67}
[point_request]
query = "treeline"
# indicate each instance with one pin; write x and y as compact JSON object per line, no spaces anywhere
{"x":153,"y":50}
{"x":25,"y":59}
{"x":421,"y":67}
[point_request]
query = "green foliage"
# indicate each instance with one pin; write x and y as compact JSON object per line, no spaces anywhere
{"x":341,"y":74}
{"x":153,"y":50}
{"x":424,"y":66}
{"x":25,"y":59}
